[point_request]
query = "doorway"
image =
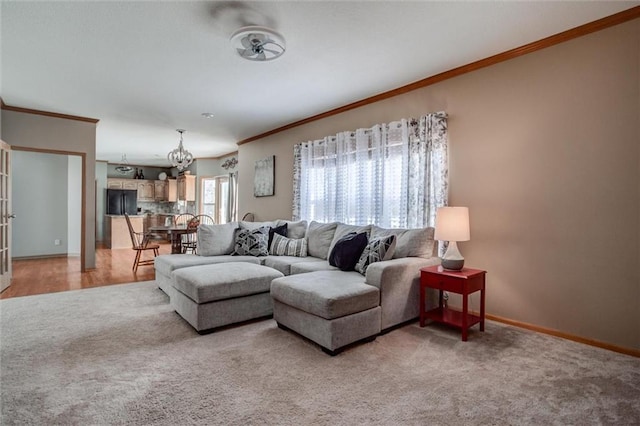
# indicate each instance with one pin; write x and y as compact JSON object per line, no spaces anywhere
{"x":214,"y":197}
{"x":47,"y":203}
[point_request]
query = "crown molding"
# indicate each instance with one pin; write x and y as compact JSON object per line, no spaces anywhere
{"x":46,"y":113}
{"x":591,"y":27}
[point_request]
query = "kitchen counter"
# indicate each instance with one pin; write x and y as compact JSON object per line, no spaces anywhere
{"x":117,"y":231}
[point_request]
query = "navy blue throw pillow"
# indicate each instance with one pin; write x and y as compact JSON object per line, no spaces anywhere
{"x":347,"y":251}
{"x":282,"y":230}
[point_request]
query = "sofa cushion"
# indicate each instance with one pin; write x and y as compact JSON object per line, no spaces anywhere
{"x":319,"y":238}
{"x":243,"y":224}
{"x":280,"y":230}
{"x":283,"y":263}
{"x":208,"y":283}
{"x":295,"y":230}
{"x":377,"y":250}
{"x":342,"y":230}
{"x":347,"y":250}
{"x":327,"y":294}
{"x":409,"y":242}
{"x":167,"y":263}
{"x":216,"y":240}
{"x":312,"y":265}
{"x":252,"y":242}
{"x":283,"y":246}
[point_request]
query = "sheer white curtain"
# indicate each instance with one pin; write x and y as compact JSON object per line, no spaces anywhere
{"x":392,"y":175}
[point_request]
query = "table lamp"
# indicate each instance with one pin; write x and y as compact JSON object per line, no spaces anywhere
{"x":452,"y":224}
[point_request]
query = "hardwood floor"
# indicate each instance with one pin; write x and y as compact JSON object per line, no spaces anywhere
{"x":37,"y":276}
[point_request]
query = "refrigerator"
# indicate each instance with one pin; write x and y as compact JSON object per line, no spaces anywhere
{"x":121,"y":201}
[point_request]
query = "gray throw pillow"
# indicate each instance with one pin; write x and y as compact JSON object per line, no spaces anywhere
{"x":377,"y":250}
{"x":216,"y":240}
{"x":295,"y":230}
{"x":409,"y":242}
{"x":283,"y":246}
{"x":255,"y":225}
{"x":252,"y":242}
{"x":319,"y":237}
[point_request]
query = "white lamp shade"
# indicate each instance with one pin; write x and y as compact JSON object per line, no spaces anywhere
{"x":452,"y":224}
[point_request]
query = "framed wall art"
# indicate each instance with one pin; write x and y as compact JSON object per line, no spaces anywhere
{"x":264,"y":177}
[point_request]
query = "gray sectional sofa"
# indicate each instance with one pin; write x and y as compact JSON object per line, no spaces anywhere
{"x":304,"y":293}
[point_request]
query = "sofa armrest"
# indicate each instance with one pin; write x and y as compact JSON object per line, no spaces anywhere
{"x":399,"y":283}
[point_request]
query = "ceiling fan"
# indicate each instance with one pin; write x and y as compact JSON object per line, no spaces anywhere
{"x":258,"y":43}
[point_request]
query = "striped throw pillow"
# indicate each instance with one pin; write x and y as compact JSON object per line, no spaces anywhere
{"x":283,"y":246}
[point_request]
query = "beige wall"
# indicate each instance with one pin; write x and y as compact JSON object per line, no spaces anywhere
{"x":21,"y":129}
{"x":545,"y":151}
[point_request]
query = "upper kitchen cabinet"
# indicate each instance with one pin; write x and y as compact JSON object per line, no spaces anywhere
{"x":186,"y":188}
{"x":172,"y":190}
{"x":161,"y":190}
{"x":146,"y":190}
{"x":122,"y":184}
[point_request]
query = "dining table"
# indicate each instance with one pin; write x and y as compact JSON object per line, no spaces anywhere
{"x":175,"y":233}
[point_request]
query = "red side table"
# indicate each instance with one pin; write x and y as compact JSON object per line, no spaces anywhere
{"x":462,"y":282}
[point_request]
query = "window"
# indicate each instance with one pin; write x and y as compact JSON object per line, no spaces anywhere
{"x":214,"y":197}
{"x":392,"y":175}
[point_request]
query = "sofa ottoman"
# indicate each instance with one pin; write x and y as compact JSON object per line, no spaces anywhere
{"x":331,"y":308}
{"x":165,"y":264}
{"x":212,"y":296}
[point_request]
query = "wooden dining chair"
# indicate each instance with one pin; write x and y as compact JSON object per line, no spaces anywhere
{"x":184,"y":218}
{"x":187,"y":240}
{"x":140,"y":243}
{"x":205,"y":219}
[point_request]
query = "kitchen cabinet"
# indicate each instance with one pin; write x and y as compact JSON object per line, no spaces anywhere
{"x":172,"y":190}
{"x":160,"y":190}
{"x":157,"y":190}
{"x":146,"y":190}
{"x":122,"y":183}
{"x":186,"y":188}
{"x":114,"y":184}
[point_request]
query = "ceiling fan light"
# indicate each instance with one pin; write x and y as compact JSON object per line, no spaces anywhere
{"x":258,"y":44}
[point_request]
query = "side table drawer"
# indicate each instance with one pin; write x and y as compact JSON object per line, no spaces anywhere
{"x":442,"y":282}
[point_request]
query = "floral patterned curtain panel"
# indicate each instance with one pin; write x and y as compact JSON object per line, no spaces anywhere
{"x":392,"y":175}
{"x":232,"y":198}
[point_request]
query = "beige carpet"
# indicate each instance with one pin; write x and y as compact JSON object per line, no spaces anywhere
{"x":120,"y":355}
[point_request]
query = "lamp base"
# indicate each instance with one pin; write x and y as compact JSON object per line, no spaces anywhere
{"x":453,"y":264}
{"x":452,"y":259}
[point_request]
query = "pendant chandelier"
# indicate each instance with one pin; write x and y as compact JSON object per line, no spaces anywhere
{"x":124,"y":168}
{"x":180,"y":157}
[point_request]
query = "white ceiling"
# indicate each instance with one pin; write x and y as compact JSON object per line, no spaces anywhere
{"x":146,"y":68}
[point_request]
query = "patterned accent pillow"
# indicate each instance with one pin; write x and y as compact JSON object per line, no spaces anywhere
{"x":377,"y":250}
{"x":252,"y":242}
{"x":283,"y":246}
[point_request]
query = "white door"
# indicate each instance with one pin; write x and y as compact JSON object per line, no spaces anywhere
{"x":5,"y":215}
